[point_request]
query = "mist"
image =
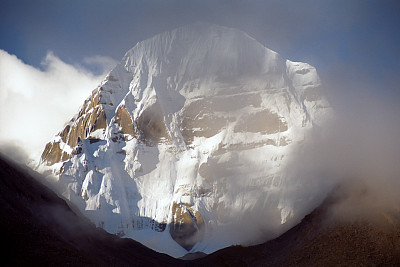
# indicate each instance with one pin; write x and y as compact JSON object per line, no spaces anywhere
{"x":354,"y":156}
{"x":352,"y":44}
{"x":358,"y":151}
{"x":35,"y":103}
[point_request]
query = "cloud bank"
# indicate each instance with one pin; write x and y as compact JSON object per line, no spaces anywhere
{"x":35,"y":103}
{"x":358,"y":150}
{"x":354,"y":156}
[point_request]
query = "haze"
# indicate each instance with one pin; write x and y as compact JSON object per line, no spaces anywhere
{"x":66,"y":49}
{"x":53,"y":54}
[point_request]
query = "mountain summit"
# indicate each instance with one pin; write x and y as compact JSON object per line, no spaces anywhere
{"x":184,"y":145}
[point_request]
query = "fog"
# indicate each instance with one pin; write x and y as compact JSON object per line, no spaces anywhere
{"x":35,"y":103}
{"x":354,"y":158}
{"x":353,"y":46}
{"x":358,"y":150}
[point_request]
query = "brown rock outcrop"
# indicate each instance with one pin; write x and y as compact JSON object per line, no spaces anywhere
{"x":91,"y":117}
{"x":124,"y":119}
{"x":265,"y":122}
{"x":52,"y":153}
{"x":187,"y":227}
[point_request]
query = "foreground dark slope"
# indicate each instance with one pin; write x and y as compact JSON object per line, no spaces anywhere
{"x":342,"y":231}
{"x":39,"y":228}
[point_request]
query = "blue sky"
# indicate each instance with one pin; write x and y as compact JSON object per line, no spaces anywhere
{"x":361,"y":36}
{"x":354,"y":44}
{"x":54,"y":52}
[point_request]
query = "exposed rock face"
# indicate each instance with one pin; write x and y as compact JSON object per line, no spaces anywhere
{"x":264,"y":122}
{"x":191,"y":132}
{"x":187,"y":227}
{"x":52,"y":153}
{"x":124,"y":119}
{"x":201,"y":120}
{"x":91,"y":118}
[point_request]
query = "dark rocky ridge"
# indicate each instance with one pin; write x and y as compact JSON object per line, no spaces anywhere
{"x":331,"y":235}
{"x":38,"y":228}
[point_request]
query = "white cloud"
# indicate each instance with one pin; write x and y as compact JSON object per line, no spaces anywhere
{"x":101,"y":62}
{"x":35,"y":104}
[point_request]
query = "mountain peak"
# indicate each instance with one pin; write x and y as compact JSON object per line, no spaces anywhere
{"x":202,"y":50}
{"x":189,"y":120}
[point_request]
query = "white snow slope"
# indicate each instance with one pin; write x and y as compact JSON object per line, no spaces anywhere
{"x":200,"y":124}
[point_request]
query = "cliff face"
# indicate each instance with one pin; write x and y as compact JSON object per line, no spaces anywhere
{"x":188,"y":135}
{"x":91,"y":118}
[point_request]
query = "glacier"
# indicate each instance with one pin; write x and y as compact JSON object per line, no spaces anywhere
{"x":185,"y":145}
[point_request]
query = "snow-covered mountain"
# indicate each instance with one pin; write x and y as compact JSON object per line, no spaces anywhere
{"x":184,"y":145}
